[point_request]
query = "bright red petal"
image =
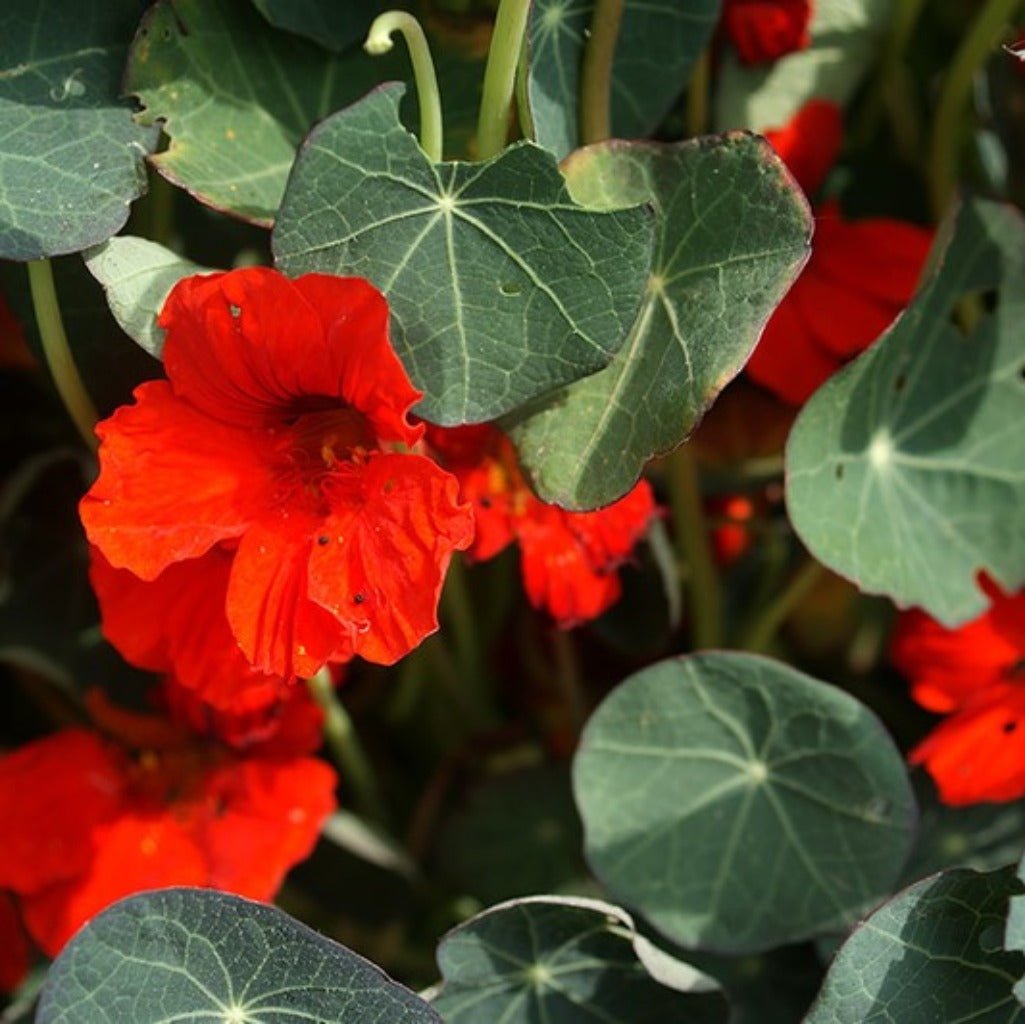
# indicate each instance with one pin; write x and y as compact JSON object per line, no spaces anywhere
{"x":809,"y":143}
{"x":764,"y":30}
{"x":841,"y":320}
{"x":172,"y":483}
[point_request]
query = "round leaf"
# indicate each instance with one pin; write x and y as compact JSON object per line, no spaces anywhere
{"x":906,"y":471}
{"x":932,"y":953}
{"x":196,"y":954}
{"x":738,"y":804}
{"x":72,"y":157}
{"x":501,"y":288}
{"x":332,"y":24}
{"x":733,"y":232}
{"x":566,"y":961}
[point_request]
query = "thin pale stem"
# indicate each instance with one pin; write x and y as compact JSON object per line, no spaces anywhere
{"x":500,"y":77}
{"x":694,"y":549}
{"x":379,"y":41}
{"x":596,"y":72}
{"x":697,"y":96}
{"x":955,"y":95}
{"x":759,"y":635}
{"x":568,"y":681}
{"x":341,"y":738}
{"x":58,"y":355}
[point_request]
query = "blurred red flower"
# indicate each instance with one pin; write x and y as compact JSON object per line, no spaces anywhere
{"x":975,"y":674}
{"x":764,"y":30}
{"x":568,"y":559}
{"x":125,"y":821}
{"x":860,"y":276}
{"x":279,"y":445}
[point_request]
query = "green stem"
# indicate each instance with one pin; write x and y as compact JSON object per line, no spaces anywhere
{"x":457,"y":610}
{"x":758,"y":636}
{"x":567,"y":679}
{"x":379,"y":41}
{"x":500,"y":77}
{"x":341,"y":738}
{"x":954,"y":98}
{"x":697,"y":96}
{"x":58,"y":355}
{"x":695,"y":549}
{"x":596,"y":72}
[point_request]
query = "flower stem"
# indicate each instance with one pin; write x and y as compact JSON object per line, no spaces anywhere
{"x":457,"y":609}
{"x":58,"y":355}
{"x":341,"y":738}
{"x":379,"y":41}
{"x":760,"y":632}
{"x":596,"y":72}
{"x":567,"y":680}
{"x":697,"y":95}
{"x":955,"y":95}
{"x":500,"y":77}
{"x":694,"y":549}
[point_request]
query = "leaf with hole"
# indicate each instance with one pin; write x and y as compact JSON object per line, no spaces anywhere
{"x":739,"y":804}
{"x":501,"y":288}
{"x":906,"y":471}
{"x":733,"y":233}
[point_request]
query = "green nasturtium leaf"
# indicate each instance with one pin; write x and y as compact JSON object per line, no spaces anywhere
{"x":71,"y":157}
{"x":845,"y":44}
{"x":733,"y":233}
{"x":739,"y":804}
{"x":137,"y":276}
{"x":906,"y":471}
{"x":656,"y":48}
{"x":932,"y":953}
{"x":1014,"y":932}
{"x":197,"y":954}
{"x":501,"y":288}
{"x":566,"y":961}
{"x":235,"y":97}
{"x":333,"y":25}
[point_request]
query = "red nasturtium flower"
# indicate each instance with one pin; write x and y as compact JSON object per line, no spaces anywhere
{"x":975,"y":674}
{"x":280,"y":442}
{"x":568,"y":559}
{"x":764,"y":30}
{"x":860,"y":276}
{"x":88,"y":821}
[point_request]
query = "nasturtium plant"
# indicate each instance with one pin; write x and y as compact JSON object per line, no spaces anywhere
{"x":510,"y":510}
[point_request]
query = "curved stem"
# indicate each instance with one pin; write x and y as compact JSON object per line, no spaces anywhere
{"x":759,"y":634}
{"x":500,"y":77}
{"x":596,"y":72}
{"x":695,"y":549}
{"x":340,"y":736}
{"x":58,"y":355}
{"x":954,"y":98}
{"x":379,"y":41}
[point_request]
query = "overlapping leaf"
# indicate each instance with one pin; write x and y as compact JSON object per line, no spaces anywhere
{"x":566,"y":961}
{"x":334,"y":25}
{"x":1014,"y":931}
{"x":733,"y":233}
{"x":739,"y":804}
{"x":235,"y":98}
{"x":501,"y":288}
{"x":71,"y":157}
{"x":906,"y":471}
{"x":196,"y":954}
{"x":656,"y":47}
{"x":934,"y":952}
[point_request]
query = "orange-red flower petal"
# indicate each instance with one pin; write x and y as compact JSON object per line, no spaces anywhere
{"x":809,"y":142}
{"x":764,"y":30}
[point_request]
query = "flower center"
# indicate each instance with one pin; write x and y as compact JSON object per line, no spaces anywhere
{"x":331,"y":436}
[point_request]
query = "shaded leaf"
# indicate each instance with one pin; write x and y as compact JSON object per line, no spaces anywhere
{"x":500,"y":287}
{"x":333,"y":25}
{"x":656,"y":48}
{"x":906,"y":471}
{"x":933,"y":952}
{"x":739,"y":804}
{"x":1014,"y":931}
{"x":733,"y":232}
{"x":565,"y":960}
{"x":137,"y":275}
{"x":195,"y":954}
{"x":71,"y":157}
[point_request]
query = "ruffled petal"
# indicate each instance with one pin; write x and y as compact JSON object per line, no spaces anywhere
{"x":173,"y":483}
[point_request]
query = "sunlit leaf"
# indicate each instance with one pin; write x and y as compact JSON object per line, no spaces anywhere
{"x":656,"y":47}
{"x":906,"y":471}
{"x":739,"y":804}
{"x":501,"y":288}
{"x":566,"y":961}
{"x":196,"y":954}
{"x":733,"y":232}
{"x":934,"y":952}
{"x":71,"y":157}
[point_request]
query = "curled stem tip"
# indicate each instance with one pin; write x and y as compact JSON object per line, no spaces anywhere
{"x":379,"y":41}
